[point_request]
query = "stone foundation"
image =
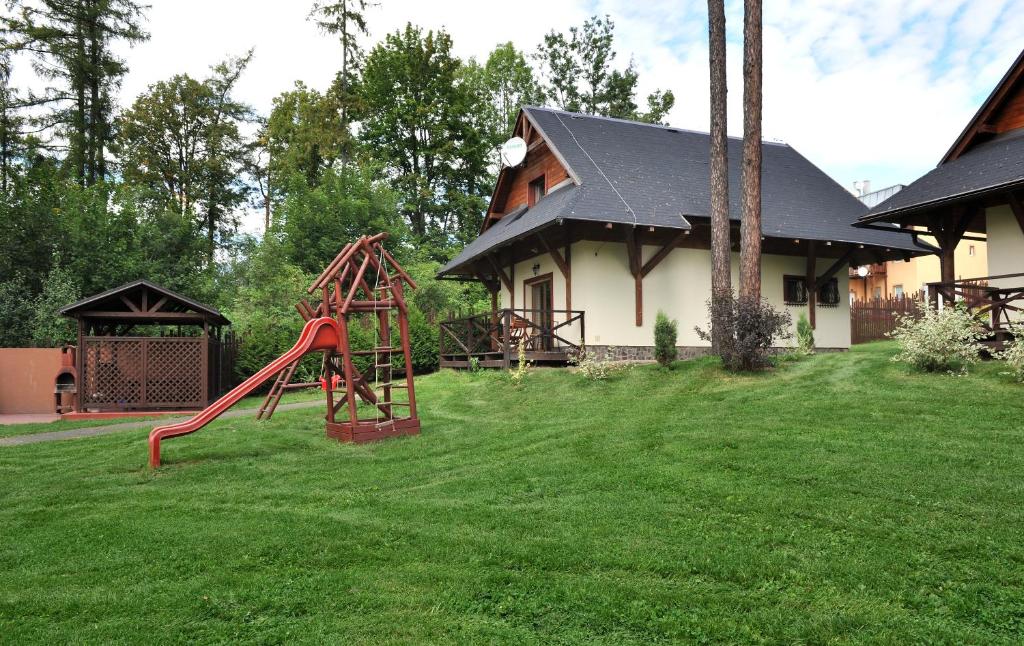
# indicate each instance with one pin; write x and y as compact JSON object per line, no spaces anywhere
{"x":638,"y":353}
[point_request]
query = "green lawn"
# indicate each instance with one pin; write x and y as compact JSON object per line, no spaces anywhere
{"x":840,"y":499}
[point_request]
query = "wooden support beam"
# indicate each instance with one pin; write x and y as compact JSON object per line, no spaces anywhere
{"x":568,"y":278}
{"x":662,"y":254}
{"x":834,"y":268}
{"x":555,"y":255}
{"x":811,"y":282}
{"x":490,"y":284}
{"x":634,"y":252}
{"x":132,"y":306}
{"x":155,"y":307}
{"x":1018,"y":209}
{"x":499,"y":271}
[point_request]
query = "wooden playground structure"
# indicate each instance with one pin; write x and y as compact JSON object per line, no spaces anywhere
{"x":363,"y":285}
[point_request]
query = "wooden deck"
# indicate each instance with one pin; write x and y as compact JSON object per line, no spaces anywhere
{"x":492,"y":339}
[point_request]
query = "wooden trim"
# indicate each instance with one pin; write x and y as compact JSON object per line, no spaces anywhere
{"x":568,"y":277}
{"x":531,"y":201}
{"x":555,"y":255}
{"x":500,"y":272}
{"x":811,"y":282}
{"x":834,"y":268}
{"x":554,"y":151}
{"x":132,"y":306}
{"x":663,"y":253}
{"x":634,"y":251}
{"x":536,"y":280}
{"x":987,"y":110}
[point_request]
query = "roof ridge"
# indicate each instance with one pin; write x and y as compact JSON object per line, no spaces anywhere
{"x":670,"y":128}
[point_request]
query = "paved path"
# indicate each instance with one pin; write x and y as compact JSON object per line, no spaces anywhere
{"x":17,"y":440}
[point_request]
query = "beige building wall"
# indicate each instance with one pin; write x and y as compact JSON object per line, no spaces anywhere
{"x":680,"y":286}
{"x":26,"y":379}
{"x":1005,"y":246}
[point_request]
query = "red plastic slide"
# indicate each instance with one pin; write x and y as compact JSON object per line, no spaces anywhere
{"x":318,"y":335}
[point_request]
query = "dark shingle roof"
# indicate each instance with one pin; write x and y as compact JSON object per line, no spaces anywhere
{"x":655,"y":175}
{"x":996,"y":165}
{"x":213,"y":314}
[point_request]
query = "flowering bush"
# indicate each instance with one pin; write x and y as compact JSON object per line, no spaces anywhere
{"x":588,"y":365}
{"x":939,"y":341}
{"x":522,"y":369}
{"x":1013,"y":353}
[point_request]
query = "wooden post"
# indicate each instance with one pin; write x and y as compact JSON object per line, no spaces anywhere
{"x":346,"y":354}
{"x":403,"y":333}
{"x":633,"y":253}
{"x":568,"y":278}
{"x":505,"y":334}
{"x":811,"y":282}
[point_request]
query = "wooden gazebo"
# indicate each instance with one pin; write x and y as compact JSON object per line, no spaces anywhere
{"x":143,"y":347}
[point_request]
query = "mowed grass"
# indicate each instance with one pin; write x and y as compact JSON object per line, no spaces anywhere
{"x":840,"y":499}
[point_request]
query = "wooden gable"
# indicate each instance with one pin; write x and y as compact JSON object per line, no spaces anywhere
{"x":512,"y":190}
{"x":1001,"y":112}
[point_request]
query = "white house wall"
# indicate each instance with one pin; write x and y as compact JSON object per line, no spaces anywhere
{"x":1005,"y":246}
{"x":680,"y":286}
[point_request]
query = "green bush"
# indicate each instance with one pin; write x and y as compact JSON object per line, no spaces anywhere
{"x":804,"y":335}
{"x":665,"y":334}
{"x":1013,"y":353}
{"x":939,"y":341}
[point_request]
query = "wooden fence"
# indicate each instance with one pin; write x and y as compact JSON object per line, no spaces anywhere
{"x":873,"y":320}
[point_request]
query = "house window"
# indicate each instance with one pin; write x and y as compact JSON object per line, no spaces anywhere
{"x":794,"y":292}
{"x":537,"y":191}
{"x":878,"y":293}
{"x":828,"y":294}
{"x":897,"y":290}
{"x":970,"y":250}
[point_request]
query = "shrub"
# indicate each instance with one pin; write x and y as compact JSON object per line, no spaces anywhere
{"x":665,"y":334}
{"x":1013,"y":353}
{"x":588,"y":365}
{"x":752,"y":329}
{"x":522,"y":369}
{"x":939,"y":341}
{"x":804,"y":335}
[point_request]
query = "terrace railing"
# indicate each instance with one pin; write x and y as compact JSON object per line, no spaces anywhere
{"x":493,"y":338}
{"x":995,"y":300}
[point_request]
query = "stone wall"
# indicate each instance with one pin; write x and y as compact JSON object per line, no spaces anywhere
{"x":646,"y":352}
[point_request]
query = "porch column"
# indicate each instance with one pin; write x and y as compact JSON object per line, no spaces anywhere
{"x":811,"y":282}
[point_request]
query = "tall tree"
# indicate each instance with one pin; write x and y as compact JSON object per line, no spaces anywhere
{"x":345,"y":19}
{"x":182,"y":139}
{"x":578,"y":68}
{"x":11,"y":121}
{"x":72,"y":43}
{"x":418,"y":104}
{"x":511,"y":85}
{"x":750,"y":228}
{"x":305,"y":134}
{"x":721,"y":246}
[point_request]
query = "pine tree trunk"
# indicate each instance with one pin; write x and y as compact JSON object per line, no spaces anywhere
{"x":721,"y":272}
{"x":750,"y":231}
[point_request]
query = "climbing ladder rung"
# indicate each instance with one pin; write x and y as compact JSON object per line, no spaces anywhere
{"x":391,"y":384}
{"x":380,"y":350}
{"x":380,"y":403}
{"x":382,"y":365}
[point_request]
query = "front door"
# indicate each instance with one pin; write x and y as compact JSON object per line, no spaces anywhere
{"x":541,"y":304}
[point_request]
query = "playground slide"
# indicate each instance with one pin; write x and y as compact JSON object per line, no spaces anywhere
{"x":318,"y":335}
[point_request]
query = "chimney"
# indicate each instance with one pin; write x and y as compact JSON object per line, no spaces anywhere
{"x":866,"y":187}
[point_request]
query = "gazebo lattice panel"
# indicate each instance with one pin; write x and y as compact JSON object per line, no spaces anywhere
{"x":139,"y":372}
{"x":174,"y":372}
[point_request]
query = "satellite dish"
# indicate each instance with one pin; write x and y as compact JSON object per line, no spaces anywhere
{"x":862,"y":272}
{"x":513,"y":151}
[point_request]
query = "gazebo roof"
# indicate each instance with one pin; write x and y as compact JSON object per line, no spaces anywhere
{"x":141,"y":301}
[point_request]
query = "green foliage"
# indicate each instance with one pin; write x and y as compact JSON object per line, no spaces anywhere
{"x":49,"y":327}
{"x":752,"y":330}
{"x":1013,"y":352}
{"x":423,"y":337}
{"x":16,"y":312}
{"x":182,"y":140}
{"x":304,"y":135}
{"x":262,"y":311}
{"x":316,"y":222}
{"x":579,"y":75}
{"x":511,"y":84}
{"x":421,"y":108}
{"x":804,"y":335}
{"x":435,"y":298}
{"x":939,"y":341}
{"x":666,"y":331}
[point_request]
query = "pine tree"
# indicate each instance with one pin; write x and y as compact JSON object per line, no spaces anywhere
{"x":721,"y":247}
{"x":750,"y":231}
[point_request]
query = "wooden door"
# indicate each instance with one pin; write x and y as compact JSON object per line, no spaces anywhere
{"x":542,"y":306}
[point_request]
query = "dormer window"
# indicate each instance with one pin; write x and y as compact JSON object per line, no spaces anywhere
{"x":537,"y":190}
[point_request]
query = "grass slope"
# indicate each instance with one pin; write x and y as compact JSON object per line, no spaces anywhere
{"x":840,"y":499}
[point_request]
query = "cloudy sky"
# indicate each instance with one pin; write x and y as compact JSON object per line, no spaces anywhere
{"x":866,"y":89}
